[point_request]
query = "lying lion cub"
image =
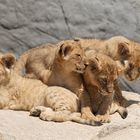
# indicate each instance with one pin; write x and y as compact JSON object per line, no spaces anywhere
{"x":100,"y":80}
{"x":118,"y":48}
{"x":49,"y":103}
{"x":59,"y":66}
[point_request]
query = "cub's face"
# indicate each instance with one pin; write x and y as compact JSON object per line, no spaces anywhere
{"x":72,"y":56}
{"x":130,"y":51}
{"x":6,"y":63}
{"x":101,"y":73}
{"x":132,"y":72}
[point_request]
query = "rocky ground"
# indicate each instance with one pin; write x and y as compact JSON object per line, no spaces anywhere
{"x":18,"y":125}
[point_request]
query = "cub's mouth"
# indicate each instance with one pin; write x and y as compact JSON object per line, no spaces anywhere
{"x":80,"y":68}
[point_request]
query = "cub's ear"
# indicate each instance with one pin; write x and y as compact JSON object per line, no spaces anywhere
{"x":124,"y":50}
{"x":95,"y":64}
{"x":8,"y":60}
{"x":64,"y":51}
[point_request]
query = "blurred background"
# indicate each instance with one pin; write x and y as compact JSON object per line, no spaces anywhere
{"x":28,"y":23}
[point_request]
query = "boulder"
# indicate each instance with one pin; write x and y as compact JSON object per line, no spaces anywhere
{"x":18,"y":125}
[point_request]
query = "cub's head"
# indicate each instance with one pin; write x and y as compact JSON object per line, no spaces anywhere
{"x":132,"y":72}
{"x":6,"y":63}
{"x":130,"y":51}
{"x":121,"y":48}
{"x":101,"y":73}
{"x":71,"y":56}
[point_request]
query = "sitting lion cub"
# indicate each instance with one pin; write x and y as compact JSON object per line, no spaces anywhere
{"x":60,"y":66}
{"x":100,"y":80}
{"x":49,"y":103}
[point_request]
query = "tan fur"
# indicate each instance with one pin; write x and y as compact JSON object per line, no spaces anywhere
{"x":61,"y":66}
{"x":100,"y":80}
{"x":49,"y":103}
{"x":21,"y":62}
{"x":118,"y":48}
{"x":121,"y":49}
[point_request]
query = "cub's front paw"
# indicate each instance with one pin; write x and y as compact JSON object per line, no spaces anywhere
{"x":104,"y":118}
{"x":35,"y":111}
{"x":92,"y":119}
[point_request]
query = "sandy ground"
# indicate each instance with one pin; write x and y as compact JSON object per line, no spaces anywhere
{"x":18,"y":125}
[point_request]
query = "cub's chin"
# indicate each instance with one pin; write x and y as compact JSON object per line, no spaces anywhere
{"x":105,"y":93}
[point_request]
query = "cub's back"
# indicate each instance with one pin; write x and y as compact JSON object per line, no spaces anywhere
{"x":43,"y":56}
{"x":62,"y":99}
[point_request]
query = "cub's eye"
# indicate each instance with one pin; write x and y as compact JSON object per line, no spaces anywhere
{"x":93,"y":67}
{"x":78,"y":55}
{"x":103,"y":81}
{"x":131,"y":66}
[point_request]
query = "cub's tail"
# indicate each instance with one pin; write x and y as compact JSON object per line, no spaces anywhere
{"x":21,"y":62}
{"x":76,"y":117}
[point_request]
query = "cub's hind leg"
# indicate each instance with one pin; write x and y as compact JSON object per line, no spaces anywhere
{"x":116,"y":107}
{"x":57,"y":116}
{"x":47,"y":114}
{"x":119,"y":103}
{"x":60,"y":105}
{"x":122,"y":111}
{"x":65,"y":115}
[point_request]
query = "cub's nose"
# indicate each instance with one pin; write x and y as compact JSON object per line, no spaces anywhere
{"x":110,"y":88}
{"x":86,"y":62}
{"x":85,"y":65}
{"x":80,"y":68}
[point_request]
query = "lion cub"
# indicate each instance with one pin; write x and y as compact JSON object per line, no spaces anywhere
{"x":60,"y":66}
{"x":100,"y":79}
{"x":49,"y":103}
{"x":118,"y":48}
